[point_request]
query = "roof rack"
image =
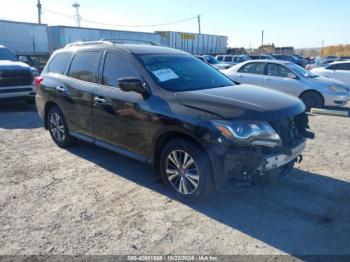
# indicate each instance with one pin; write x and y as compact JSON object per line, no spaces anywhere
{"x":128,"y":41}
{"x":80,"y":43}
{"x":110,"y":41}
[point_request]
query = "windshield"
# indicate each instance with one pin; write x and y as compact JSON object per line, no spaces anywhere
{"x":183,"y":72}
{"x":300,"y":71}
{"x":211,"y":60}
{"x":6,"y":54}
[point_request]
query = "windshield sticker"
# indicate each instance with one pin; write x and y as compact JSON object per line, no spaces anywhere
{"x":165,"y":74}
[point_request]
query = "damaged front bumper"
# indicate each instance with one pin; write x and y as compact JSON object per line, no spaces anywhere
{"x":239,"y":165}
{"x":275,"y":161}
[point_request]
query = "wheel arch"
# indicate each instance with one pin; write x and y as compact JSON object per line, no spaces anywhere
{"x":47,"y":108}
{"x":167,"y":135}
{"x":313,"y":91}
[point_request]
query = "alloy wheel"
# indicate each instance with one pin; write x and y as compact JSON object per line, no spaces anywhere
{"x":57,"y":127}
{"x":182,"y":172}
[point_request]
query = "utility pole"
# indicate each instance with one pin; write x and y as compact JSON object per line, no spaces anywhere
{"x":77,"y":16}
{"x":39,"y":11}
{"x":262,"y":37}
{"x":199,"y":24}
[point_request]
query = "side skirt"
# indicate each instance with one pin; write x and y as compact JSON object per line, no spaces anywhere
{"x":111,"y":147}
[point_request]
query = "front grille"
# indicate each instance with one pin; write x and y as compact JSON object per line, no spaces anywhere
{"x":15,"y":78}
{"x":291,"y":130}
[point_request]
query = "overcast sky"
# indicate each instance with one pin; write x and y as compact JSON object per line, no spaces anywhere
{"x":298,"y":23}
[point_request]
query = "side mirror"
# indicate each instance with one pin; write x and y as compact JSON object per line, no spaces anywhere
{"x":291,"y":76}
{"x":133,"y":84}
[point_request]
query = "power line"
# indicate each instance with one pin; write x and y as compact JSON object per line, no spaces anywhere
{"x":121,"y":25}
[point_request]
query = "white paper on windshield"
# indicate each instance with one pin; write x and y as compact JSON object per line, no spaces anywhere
{"x":165,"y":74}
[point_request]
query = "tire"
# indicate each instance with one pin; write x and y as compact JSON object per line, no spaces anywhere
{"x":197,"y":178}
{"x":312,"y":100}
{"x":58,"y":128}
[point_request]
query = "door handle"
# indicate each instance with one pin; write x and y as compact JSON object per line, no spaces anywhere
{"x":100,"y":100}
{"x":267,"y":78}
{"x":61,"y":89}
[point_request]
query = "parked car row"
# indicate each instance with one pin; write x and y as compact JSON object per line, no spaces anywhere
{"x":313,"y":90}
{"x":236,"y":59}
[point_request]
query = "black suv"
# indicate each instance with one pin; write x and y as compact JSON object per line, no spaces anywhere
{"x":167,"y":108}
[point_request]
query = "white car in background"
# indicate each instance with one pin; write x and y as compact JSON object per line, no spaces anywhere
{"x":315,"y":91}
{"x":339,"y":70}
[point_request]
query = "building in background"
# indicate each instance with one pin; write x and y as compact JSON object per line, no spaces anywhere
{"x":59,"y":36}
{"x":288,"y":50}
{"x":197,"y":44}
{"x":26,"y":39}
{"x":38,"y":41}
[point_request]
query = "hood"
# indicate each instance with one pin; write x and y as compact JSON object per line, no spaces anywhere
{"x":13,"y":65}
{"x":326,"y":80}
{"x":246,"y":102}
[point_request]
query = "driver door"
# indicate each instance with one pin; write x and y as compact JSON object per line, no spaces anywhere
{"x":119,"y":120}
{"x":280,"y":78}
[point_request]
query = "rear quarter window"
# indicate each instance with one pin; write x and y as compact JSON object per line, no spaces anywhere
{"x":59,"y":63}
{"x":84,"y":66}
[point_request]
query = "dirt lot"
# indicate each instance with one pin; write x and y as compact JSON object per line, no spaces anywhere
{"x":87,"y":200}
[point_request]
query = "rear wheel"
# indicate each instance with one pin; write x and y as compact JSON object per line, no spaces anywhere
{"x":58,"y":128}
{"x":312,"y":100}
{"x":186,"y":169}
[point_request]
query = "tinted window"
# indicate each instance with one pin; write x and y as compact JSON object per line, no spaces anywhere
{"x":116,"y":67}
{"x":277,"y":70}
{"x":84,"y":66}
{"x":253,"y":68}
{"x":183,"y":72}
{"x":345,"y":66}
{"x":332,"y":67}
{"x":228,"y":59}
{"x":59,"y":63}
{"x":219,"y":58}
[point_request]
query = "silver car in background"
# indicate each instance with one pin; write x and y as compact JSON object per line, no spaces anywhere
{"x":232,"y":59}
{"x":315,"y":91}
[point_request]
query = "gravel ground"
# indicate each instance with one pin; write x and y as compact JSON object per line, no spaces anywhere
{"x":87,"y":200}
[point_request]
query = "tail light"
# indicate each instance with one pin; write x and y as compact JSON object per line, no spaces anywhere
{"x":38,"y":80}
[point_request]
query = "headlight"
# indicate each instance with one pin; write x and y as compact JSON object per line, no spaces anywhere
{"x":337,"y":89}
{"x":258,"y":133}
{"x":34,"y":72}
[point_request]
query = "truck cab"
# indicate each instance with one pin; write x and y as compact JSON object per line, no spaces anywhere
{"x":16,"y":77}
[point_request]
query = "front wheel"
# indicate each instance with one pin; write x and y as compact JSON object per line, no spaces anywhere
{"x":58,"y":128}
{"x":186,"y":169}
{"x":312,"y":100}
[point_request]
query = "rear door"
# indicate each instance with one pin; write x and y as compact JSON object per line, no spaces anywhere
{"x":251,"y":73}
{"x":75,"y":91}
{"x":280,"y":78}
{"x":119,"y":118}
